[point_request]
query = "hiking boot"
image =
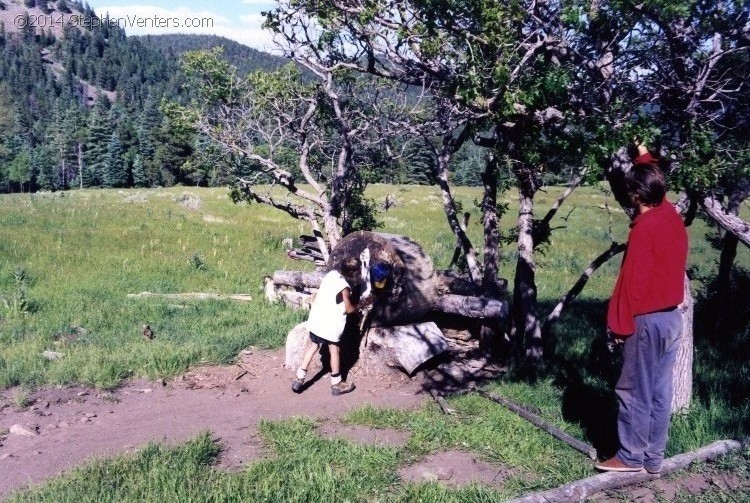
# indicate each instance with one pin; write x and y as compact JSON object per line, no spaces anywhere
{"x":297,"y":384}
{"x":341,"y":388}
{"x":615,"y":465}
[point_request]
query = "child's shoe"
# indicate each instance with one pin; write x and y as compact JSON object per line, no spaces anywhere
{"x":341,"y":388}
{"x":297,"y":384}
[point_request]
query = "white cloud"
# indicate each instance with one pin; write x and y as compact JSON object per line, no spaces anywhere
{"x":151,"y":19}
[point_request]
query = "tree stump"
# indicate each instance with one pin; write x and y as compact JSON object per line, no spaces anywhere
{"x":411,"y":290}
{"x":402,"y":331}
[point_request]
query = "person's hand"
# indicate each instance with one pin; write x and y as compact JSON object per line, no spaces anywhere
{"x":613,"y":342}
{"x":366,"y":302}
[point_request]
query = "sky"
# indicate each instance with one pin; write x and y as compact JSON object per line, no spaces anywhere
{"x":238,"y":20}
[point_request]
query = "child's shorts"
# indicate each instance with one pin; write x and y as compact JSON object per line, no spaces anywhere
{"x":320,"y":340}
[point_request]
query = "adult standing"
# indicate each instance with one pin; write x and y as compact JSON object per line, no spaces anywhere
{"x":643,"y":312}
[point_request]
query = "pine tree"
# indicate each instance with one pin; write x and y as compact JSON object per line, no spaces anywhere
{"x":43,"y":168}
{"x":99,"y":133}
{"x":139,"y":174}
{"x":115,"y":167}
{"x":149,"y":123}
{"x":420,"y":166}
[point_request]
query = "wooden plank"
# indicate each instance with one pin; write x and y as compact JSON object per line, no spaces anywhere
{"x":193,"y":296}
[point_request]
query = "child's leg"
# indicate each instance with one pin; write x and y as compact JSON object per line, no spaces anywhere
{"x":335,"y":363}
{"x":306,"y":359}
{"x":338,"y":386}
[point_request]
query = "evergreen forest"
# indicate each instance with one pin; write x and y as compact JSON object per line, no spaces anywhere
{"x":84,"y":107}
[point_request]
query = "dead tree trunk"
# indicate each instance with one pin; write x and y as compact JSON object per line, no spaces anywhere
{"x":526,"y":326}
{"x":682,"y":385}
{"x":411,"y":290}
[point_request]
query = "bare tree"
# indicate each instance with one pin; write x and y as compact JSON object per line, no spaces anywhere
{"x":315,"y":125}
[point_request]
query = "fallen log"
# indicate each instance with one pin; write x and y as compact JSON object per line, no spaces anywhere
{"x":194,"y":296}
{"x":582,"y":489}
{"x":298,"y":279}
{"x":541,"y":423}
{"x":479,"y":308}
{"x":468,"y":306}
{"x":441,"y":402}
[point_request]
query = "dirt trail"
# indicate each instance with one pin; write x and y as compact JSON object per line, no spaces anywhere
{"x":71,"y":425}
{"x":68,"y":426}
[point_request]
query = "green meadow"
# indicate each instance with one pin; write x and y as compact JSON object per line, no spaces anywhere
{"x":69,"y":260}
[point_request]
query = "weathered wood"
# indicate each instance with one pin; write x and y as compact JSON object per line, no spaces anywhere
{"x":447,"y":282}
{"x":298,"y":279}
{"x":441,"y":402}
{"x":464,"y":305}
{"x":731,"y":223}
{"x":194,"y":296}
{"x":298,"y":254}
{"x":582,"y":489}
{"x":406,"y":346}
{"x":541,"y":423}
{"x":682,"y":380}
{"x":472,"y":307}
{"x":296,"y":300}
{"x":296,"y":343}
{"x":411,"y":289}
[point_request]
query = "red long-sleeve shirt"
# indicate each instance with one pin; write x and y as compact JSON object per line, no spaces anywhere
{"x":652,"y":274}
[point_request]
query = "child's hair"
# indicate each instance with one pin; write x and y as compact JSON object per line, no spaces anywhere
{"x":647,"y":182}
{"x":349,"y":267}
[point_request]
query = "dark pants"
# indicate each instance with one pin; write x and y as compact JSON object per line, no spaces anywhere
{"x":645,"y":388}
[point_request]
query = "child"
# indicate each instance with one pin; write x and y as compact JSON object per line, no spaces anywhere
{"x":327,"y":321}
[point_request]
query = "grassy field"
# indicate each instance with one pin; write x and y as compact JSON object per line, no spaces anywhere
{"x":68,"y":261}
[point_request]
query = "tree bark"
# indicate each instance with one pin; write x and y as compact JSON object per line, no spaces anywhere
{"x":406,"y":346}
{"x":728,"y":254}
{"x":526,"y":326}
{"x":580,"y":490}
{"x":477,"y":308}
{"x":724,"y":218}
{"x":298,"y":279}
{"x":411,"y":289}
{"x":682,"y":384}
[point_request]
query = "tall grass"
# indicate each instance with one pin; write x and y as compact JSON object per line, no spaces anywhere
{"x":82,"y":252}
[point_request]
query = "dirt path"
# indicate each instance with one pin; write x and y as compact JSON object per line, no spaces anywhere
{"x":67,"y":426}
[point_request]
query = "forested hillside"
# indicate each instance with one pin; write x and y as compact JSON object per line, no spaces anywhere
{"x":244,"y":58}
{"x":81,"y":105}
